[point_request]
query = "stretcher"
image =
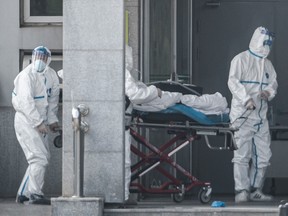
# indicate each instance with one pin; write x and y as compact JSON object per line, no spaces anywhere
{"x":185,"y":125}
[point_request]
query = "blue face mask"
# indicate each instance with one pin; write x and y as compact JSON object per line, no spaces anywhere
{"x":267,"y":43}
{"x":39,"y":66}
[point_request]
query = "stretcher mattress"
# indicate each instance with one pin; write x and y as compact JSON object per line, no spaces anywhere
{"x":181,"y":112}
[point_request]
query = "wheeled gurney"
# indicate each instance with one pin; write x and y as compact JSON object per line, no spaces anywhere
{"x":186,"y":125}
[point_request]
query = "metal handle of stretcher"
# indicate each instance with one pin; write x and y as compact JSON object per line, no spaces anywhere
{"x":227,"y":145}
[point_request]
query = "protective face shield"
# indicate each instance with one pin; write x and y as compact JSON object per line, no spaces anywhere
{"x":41,"y":58}
{"x":261,"y":42}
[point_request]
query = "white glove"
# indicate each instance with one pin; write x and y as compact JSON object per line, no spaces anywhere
{"x":53,"y":127}
{"x":42,"y":128}
{"x":264,"y":95}
{"x":250,"y":104}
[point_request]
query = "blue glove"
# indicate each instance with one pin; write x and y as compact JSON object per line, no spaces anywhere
{"x":218,"y":204}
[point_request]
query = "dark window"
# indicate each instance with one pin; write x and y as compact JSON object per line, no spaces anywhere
{"x":46,"y":7}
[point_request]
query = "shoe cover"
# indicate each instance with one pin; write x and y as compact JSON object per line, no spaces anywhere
{"x":39,"y":200}
{"x":241,"y":197}
{"x":259,"y":196}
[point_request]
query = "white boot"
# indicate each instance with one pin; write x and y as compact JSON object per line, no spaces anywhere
{"x":242,"y":196}
{"x":259,"y":196}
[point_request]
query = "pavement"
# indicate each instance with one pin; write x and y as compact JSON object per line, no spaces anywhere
{"x":192,"y":206}
{"x":158,"y":206}
{"x":8,"y":207}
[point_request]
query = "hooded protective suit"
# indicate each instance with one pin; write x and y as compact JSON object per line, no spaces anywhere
{"x":35,"y":99}
{"x":138,"y":93}
{"x":251,"y":76}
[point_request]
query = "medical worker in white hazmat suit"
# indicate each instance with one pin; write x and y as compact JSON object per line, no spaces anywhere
{"x":138,"y":93}
{"x":252,"y":82}
{"x":35,"y":99}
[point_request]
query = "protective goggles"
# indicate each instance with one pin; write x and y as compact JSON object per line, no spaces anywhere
{"x":267,"y":43}
{"x":267,"y":32}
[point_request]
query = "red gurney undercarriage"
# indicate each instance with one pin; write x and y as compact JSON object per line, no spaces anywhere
{"x":151,"y":158}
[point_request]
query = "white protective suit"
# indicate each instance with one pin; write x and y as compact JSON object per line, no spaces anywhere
{"x":35,"y":99}
{"x":250,"y":74}
{"x":138,"y":93}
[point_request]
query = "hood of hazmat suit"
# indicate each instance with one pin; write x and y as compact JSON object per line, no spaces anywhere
{"x":261,"y":42}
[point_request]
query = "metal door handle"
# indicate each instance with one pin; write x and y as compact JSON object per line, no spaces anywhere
{"x":212,"y":3}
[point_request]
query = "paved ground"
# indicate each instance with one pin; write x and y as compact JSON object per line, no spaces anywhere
{"x":8,"y":207}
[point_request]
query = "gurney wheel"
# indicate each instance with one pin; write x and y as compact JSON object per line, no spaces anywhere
{"x":178,"y":197}
{"x":202,"y":195}
{"x":58,"y":141}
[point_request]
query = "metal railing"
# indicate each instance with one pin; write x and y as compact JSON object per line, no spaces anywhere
{"x":79,"y":128}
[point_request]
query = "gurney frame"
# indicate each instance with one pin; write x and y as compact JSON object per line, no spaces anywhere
{"x":184,"y":134}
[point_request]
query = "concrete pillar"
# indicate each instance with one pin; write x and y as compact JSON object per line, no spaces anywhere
{"x":93,"y":54}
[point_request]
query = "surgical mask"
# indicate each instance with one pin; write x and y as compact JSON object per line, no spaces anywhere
{"x":268,"y":42}
{"x":39,"y":66}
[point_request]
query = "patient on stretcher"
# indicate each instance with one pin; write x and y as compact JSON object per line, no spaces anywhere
{"x":152,"y":99}
{"x":206,"y":109}
{"x":208,"y":104}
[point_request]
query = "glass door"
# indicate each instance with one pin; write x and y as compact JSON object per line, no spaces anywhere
{"x":166,"y":40}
